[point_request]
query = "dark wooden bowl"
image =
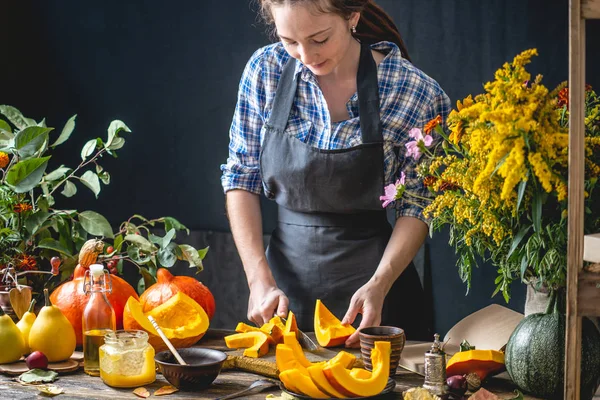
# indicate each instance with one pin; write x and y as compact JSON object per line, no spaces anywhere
{"x":204,"y":365}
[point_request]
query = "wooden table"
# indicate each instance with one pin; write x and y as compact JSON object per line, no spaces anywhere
{"x":78,"y":385}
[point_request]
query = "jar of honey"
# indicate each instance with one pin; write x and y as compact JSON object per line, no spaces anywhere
{"x":126,"y":359}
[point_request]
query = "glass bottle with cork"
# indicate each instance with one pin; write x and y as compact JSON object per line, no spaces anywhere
{"x":98,"y":316}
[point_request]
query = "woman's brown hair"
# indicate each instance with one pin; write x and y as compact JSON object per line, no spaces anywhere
{"x":375,"y":25}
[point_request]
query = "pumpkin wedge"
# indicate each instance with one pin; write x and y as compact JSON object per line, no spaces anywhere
{"x":243,"y":327}
{"x":482,"y":362}
{"x":318,"y":377}
{"x":290,"y":340}
{"x":343,"y":381}
{"x":360,"y":373}
{"x":256,"y":343}
{"x":303,"y":383}
{"x":273,"y":330}
{"x":181,"y":318}
{"x":290,"y":324}
{"x":328,"y":329}
{"x":286,"y":359}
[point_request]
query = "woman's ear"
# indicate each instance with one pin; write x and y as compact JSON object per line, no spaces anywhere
{"x":354,"y":18}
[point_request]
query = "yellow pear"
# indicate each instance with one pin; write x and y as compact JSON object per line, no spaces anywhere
{"x":52,"y":333}
{"x":25,"y":324}
{"x":12,"y":345}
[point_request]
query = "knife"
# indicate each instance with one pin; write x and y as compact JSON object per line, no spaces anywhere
{"x":305,"y":341}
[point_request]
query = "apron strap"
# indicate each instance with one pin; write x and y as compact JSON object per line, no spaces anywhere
{"x":284,"y":97}
{"x":368,"y":97}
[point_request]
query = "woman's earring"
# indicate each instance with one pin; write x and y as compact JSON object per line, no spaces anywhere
{"x":353,"y":29}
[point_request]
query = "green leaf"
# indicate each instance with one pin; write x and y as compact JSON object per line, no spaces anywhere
{"x":166,"y":257}
{"x":36,"y":376}
{"x":69,"y":190}
{"x":172,"y":223}
{"x":140,"y":241}
{"x":536,"y":212}
{"x":191,"y":255}
{"x":57,"y":174}
{"x":118,"y":243}
{"x":90,"y":179}
{"x":134,"y":253}
{"x":27,"y":174}
{"x":66,"y":132}
{"x":16,"y":117}
{"x":7,"y":141}
{"x":167,"y":239}
{"x":35,"y":220}
{"x":141,"y":286}
{"x":517,"y":240}
{"x":53,"y":244}
{"x":521,"y":193}
{"x":31,"y":140}
{"x":104,"y":177}
{"x":114,"y":128}
{"x":95,"y":224}
{"x":117,"y":143}
{"x":202,"y":252}
{"x":5,"y":126}
{"x":524,"y":265}
{"x":88,"y":148}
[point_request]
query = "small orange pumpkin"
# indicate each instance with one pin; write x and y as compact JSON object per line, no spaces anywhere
{"x":167,"y":285}
{"x":71,"y":300}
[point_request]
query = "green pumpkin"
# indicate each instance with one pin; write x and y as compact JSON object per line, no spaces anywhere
{"x":535,"y":355}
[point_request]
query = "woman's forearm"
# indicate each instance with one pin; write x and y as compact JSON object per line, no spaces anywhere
{"x":245,"y":219}
{"x":407,"y":237}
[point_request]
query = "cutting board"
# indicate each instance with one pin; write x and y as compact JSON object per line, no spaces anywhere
{"x":70,"y":365}
{"x":266,"y":364}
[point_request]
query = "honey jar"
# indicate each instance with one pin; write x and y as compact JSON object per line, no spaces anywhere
{"x":126,"y":359}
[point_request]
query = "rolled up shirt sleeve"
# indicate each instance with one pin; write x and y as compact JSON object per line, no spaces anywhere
{"x":242,"y":170}
{"x":409,"y":205}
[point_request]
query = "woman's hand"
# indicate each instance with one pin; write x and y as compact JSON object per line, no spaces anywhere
{"x":368,"y":301}
{"x":265,"y":302}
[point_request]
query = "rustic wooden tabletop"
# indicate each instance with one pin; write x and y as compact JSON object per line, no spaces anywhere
{"x":78,"y":385}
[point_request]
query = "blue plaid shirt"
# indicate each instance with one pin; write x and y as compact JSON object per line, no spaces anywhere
{"x":408,"y":99}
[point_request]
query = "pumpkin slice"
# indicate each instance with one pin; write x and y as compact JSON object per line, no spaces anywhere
{"x":482,"y":362}
{"x":360,"y":373}
{"x":303,"y":383}
{"x":291,"y":325}
{"x":274,"y":330}
{"x":243,"y":327}
{"x":290,"y":340}
{"x":320,"y":380}
{"x":182,"y":320}
{"x":328,"y":329}
{"x":286,"y":359}
{"x":343,"y":381}
{"x":256,"y":343}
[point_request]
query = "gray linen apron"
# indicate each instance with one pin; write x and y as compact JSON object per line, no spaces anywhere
{"x":332,"y":231}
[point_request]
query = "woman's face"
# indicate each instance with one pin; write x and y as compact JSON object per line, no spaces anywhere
{"x":319,"y":40}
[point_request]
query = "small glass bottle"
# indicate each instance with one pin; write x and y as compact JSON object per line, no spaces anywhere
{"x":127,"y":359}
{"x":98,"y":316}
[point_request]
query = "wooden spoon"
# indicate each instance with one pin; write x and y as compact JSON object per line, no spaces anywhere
{"x":166,"y":340}
{"x":20,"y":298}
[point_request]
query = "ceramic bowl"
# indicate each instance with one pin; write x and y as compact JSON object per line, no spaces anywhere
{"x":204,"y":365}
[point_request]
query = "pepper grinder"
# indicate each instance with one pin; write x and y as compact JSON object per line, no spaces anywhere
{"x":435,"y":369}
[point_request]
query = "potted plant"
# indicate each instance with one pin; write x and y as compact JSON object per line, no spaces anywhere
{"x":39,"y":241}
{"x":499,"y":182}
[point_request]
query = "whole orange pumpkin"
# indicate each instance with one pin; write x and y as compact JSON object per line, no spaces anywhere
{"x":71,"y":300}
{"x":167,"y":286}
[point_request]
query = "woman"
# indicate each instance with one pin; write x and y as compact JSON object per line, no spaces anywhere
{"x":321,"y":124}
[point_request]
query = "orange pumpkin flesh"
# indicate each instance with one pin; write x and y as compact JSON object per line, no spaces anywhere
{"x":181,"y":319}
{"x":303,"y":383}
{"x":71,"y":300}
{"x":286,"y":359}
{"x":329,"y":330}
{"x":256,"y":343}
{"x":167,"y":285}
{"x":481,"y":362}
{"x":343,"y":381}
{"x":290,"y":324}
{"x":318,"y":377}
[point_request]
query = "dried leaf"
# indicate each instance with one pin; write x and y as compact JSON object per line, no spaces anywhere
{"x":36,"y":376}
{"x":166,"y":390}
{"x":142,"y":392}
{"x":50,"y":390}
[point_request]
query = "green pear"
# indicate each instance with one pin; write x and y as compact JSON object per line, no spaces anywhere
{"x":52,"y":333}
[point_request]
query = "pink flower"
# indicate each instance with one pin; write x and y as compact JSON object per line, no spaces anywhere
{"x":414,"y":148}
{"x":393,"y":191}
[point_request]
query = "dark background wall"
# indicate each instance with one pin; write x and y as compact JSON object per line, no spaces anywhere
{"x":170,"y":71}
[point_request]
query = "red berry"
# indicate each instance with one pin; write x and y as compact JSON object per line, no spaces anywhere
{"x":111,"y":264}
{"x":110,"y":249}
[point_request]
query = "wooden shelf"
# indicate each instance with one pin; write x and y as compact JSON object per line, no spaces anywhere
{"x":583,"y":287}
